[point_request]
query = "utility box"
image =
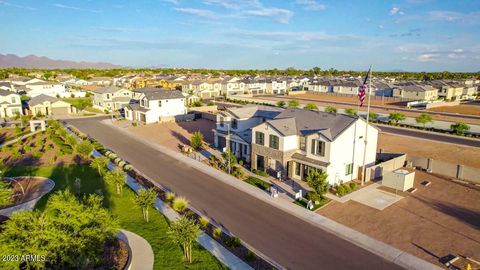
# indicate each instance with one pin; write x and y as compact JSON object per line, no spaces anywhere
{"x":401,"y":179}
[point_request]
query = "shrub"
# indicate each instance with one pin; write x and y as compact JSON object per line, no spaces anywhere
{"x":128,"y":167}
{"x":250,"y":256}
{"x":204,"y":222}
{"x":122,"y":164}
{"x":27,"y":148}
{"x":352,"y":185}
{"x":347,"y":188}
{"x":36,"y":154}
{"x":169,"y":196}
{"x":217,"y":233}
{"x":331,"y":110}
{"x":196,"y":141}
{"x":313,"y":196}
{"x":340,"y":190}
{"x":233,"y":242}
{"x":260,"y":172}
{"x":180,"y":204}
{"x":240,"y":162}
{"x":66,"y":149}
{"x":117,"y":160}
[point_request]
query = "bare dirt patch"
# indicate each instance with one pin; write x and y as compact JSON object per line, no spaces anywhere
{"x":461,"y":109}
{"x":435,"y":221}
{"x":175,"y":135}
{"x":456,"y":154}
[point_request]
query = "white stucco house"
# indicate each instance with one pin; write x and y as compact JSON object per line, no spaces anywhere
{"x":156,"y":104}
{"x":10,"y":104}
{"x":294,"y":142}
{"x":111,"y":98}
{"x":52,"y":89}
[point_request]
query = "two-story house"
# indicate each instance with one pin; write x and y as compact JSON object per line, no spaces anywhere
{"x":10,"y":104}
{"x":155,"y":104}
{"x":297,"y":141}
{"x":233,"y":127}
{"x":233,"y":86}
{"x":416,"y":92}
{"x":52,"y":89}
{"x":48,"y":105}
{"x":111,"y":98}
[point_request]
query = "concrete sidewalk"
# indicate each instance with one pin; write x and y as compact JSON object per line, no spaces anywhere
{"x":140,"y":251}
{"x":379,"y":248}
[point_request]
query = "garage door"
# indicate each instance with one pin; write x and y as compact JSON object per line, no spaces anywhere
{"x":60,"y":110}
{"x":205,"y":95}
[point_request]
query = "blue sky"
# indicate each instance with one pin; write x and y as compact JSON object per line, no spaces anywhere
{"x":411,"y":35}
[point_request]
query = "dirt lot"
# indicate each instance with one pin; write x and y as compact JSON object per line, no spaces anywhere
{"x":461,"y":109}
{"x":320,"y":101}
{"x":174,"y":135}
{"x":352,"y":99}
{"x":435,"y":221}
{"x":457,"y":154}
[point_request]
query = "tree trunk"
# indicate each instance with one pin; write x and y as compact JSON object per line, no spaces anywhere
{"x":118,"y":189}
{"x":146,"y":213}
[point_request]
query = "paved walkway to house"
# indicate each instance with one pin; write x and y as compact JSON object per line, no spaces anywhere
{"x":141,"y":253}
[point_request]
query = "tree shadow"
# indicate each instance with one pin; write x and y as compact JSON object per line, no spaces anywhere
{"x":180,"y":137}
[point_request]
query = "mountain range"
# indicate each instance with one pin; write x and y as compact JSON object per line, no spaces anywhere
{"x":33,"y":61}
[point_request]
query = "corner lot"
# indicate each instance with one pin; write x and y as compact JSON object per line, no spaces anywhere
{"x":441,"y":219}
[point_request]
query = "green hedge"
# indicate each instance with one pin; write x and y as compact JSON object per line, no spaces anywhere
{"x":258,"y":183}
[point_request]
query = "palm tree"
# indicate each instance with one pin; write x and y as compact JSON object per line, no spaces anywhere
{"x":184,"y":232}
{"x":117,"y":178}
{"x":145,"y":199}
{"x":99,"y":164}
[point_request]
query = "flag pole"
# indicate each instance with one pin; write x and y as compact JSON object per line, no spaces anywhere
{"x":364,"y":169}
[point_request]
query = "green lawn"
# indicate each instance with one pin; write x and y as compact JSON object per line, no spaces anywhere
{"x":304,"y":202}
{"x":167,"y":255}
{"x":254,"y":181}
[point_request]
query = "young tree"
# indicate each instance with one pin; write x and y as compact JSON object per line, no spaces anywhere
{"x":281,"y":103}
{"x":331,"y":110}
{"x":423,"y":119}
{"x":145,"y":199}
{"x":350,"y":111}
{"x":317,"y":180}
{"x":396,"y":117}
{"x":116,"y":178}
{"x":24,"y":119}
{"x":184,"y":232}
{"x":460,"y":128}
{"x":311,"y":106}
{"x":196,"y":142}
{"x":293,"y":103}
{"x":99,"y":164}
{"x":84,"y":148}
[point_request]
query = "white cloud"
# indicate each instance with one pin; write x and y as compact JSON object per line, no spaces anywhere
{"x":175,"y":2}
{"x":204,"y":13}
{"x":76,"y":8}
{"x":380,"y":26}
{"x":395,"y":11}
{"x":453,"y":16}
{"x":276,"y":14}
{"x":5,"y":3}
{"x":311,"y":5}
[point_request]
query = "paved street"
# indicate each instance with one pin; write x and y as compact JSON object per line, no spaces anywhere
{"x":439,"y":137}
{"x":288,"y":240}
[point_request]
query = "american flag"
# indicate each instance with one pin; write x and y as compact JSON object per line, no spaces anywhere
{"x":363,"y":90}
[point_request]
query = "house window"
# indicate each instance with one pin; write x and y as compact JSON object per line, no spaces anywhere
{"x":297,"y":168}
{"x":14,"y":100}
{"x":15,"y":111}
{"x":318,"y":148}
{"x":159,"y":103}
{"x":349,"y":169}
{"x":221,"y":121}
{"x":108,"y":96}
{"x":273,"y":142}
{"x":303,"y":143}
{"x":259,"y":138}
{"x":234,"y":124}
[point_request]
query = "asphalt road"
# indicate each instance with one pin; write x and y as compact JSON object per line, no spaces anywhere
{"x":290,"y":241}
{"x":438,"y":137}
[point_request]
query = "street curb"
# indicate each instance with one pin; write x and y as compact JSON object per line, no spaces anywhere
{"x":427,"y":132}
{"x":379,"y":248}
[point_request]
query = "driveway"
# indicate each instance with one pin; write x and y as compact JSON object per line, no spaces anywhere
{"x":288,"y":240}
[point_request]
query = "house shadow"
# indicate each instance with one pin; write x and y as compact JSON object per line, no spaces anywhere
{"x":463,"y":214}
{"x":202,"y":125}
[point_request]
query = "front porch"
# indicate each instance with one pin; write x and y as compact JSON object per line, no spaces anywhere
{"x":300,"y":166}
{"x":235,"y":143}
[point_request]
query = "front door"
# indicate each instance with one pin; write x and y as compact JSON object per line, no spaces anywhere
{"x":260,"y":163}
